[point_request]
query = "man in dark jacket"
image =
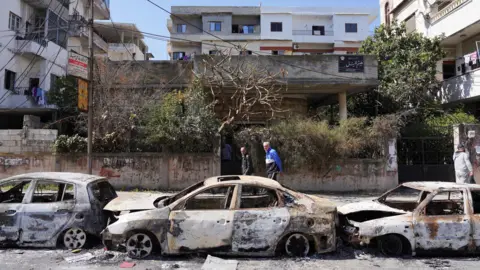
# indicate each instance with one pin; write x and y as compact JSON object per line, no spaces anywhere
{"x":247,"y":164}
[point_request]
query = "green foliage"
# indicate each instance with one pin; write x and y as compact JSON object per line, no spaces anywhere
{"x":305,"y":143}
{"x":64,"y":95}
{"x":407,"y":65}
{"x":70,"y":144}
{"x":183,"y":122}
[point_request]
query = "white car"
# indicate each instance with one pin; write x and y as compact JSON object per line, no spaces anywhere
{"x":417,"y":217}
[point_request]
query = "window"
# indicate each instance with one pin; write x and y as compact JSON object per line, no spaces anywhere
{"x":10,"y":77}
{"x":278,"y":52}
{"x":351,"y":28}
{"x":181,"y":28}
{"x":246,"y":53}
{"x":13,"y":192}
{"x":446,"y":203}
{"x":211,"y":199}
{"x":476,"y":201}
{"x":257,"y":197}
{"x":178,"y":55}
{"x":49,"y":192}
{"x":213,"y":52}
{"x":53,"y":80}
{"x":215,"y":26}
{"x":276,"y":27}
{"x":57,"y":29}
{"x":404,"y":198}
{"x":318,"y":30}
{"x":14,"y":22}
{"x":103,"y":191}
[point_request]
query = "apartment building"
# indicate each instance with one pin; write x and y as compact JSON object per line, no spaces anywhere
{"x":267,"y":30}
{"x":458,"y":21}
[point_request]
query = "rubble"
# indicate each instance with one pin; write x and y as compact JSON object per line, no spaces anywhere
{"x":214,"y":263}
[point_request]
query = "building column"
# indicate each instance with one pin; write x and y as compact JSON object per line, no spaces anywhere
{"x":342,"y":102}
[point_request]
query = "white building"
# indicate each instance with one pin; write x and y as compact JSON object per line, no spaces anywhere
{"x":458,"y":21}
{"x":267,"y":30}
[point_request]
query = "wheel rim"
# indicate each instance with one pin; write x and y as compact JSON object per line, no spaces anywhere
{"x":139,"y":245}
{"x":74,"y":238}
{"x":297,"y":245}
{"x":391,"y":245}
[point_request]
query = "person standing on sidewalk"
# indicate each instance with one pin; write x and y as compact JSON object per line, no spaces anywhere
{"x":273,"y":162}
{"x":463,"y":167}
{"x":247,"y":164}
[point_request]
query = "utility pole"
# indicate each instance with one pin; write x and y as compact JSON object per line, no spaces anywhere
{"x":90,"y":90}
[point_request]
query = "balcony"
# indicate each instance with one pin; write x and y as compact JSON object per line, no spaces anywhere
{"x":461,"y":87}
{"x":309,"y":36}
{"x":102,"y":9}
{"x":448,"y":9}
{"x":31,"y":46}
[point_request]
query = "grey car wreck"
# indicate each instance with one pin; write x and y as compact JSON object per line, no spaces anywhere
{"x":51,"y":209}
{"x":234,"y":215}
{"x":417,"y":218}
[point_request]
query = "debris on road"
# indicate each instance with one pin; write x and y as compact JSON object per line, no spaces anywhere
{"x":214,"y":263}
{"x":76,"y":250}
{"x":80,"y":258}
{"x":127,"y":265}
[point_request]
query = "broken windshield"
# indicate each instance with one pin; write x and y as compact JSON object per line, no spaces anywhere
{"x":182,"y":193}
{"x":404,"y":198}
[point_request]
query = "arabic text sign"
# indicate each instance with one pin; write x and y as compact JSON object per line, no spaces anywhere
{"x":350,"y":63}
{"x":77,"y":65}
{"x":82,"y":95}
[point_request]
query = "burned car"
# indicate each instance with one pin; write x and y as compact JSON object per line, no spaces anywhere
{"x":234,"y":215}
{"x":50,"y":209}
{"x":416,"y":218}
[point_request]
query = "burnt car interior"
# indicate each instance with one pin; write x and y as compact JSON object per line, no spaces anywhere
{"x":404,"y":198}
{"x":48,"y":192}
{"x":257,"y":197}
{"x":211,"y":199}
{"x":13,"y":192}
{"x":476,"y":201}
{"x":445,"y":203}
{"x":103,"y":192}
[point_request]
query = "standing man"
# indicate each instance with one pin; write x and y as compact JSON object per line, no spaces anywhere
{"x":247,"y":164}
{"x":273,"y":162}
{"x":463,"y":167}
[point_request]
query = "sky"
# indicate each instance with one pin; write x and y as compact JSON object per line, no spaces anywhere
{"x":151,"y":19}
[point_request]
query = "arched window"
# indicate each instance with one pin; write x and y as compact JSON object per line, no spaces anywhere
{"x":387,"y":14}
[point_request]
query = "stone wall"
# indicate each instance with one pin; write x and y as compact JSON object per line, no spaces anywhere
{"x":27,"y":140}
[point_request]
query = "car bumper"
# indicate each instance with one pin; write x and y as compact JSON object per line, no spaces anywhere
{"x":112,"y":241}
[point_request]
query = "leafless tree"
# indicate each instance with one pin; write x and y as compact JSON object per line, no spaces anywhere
{"x":241,"y":86}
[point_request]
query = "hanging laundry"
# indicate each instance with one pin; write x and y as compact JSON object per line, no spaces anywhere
{"x":473,"y":57}
{"x":39,"y":95}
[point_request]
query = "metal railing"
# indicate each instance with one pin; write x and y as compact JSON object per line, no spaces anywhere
{"x":454,"y":5}
{"x":35,"y":38}
{"x":312,"y":33}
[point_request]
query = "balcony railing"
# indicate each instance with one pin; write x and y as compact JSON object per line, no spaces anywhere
{"x":312,"y":33}
{"x":454,"y":5}
{"x":35,"y":38}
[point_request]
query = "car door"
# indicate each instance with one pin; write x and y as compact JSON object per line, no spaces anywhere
{"x":203,"y":221}
{"x":475,"y":206}
{"x":47,"y":211}
{"x":260,"y":219}
{"x":12,"y":196}
{"x":442,"y":222}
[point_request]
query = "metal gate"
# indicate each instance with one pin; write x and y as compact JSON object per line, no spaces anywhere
{"x":425,"y":159}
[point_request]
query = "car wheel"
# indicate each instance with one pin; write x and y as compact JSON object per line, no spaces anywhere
{"x":74,"y":238}
{"x":139,"y":245}
{"x":390,"y":245}
{"x":297,"y":245}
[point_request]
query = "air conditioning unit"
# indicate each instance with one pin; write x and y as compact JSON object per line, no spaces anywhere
{"x":296,"y":46}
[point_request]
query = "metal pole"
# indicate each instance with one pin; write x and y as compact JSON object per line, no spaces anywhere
{"x":90,"y":90}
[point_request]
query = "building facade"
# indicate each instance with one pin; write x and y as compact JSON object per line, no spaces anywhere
{"x":457,"y":21}
{"x":267,"y":30}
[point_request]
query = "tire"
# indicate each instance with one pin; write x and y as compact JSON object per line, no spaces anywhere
{"x":74,"y":238}
{"x":139,"y":245}
{"x":297,"y":245}
{"x":391,"y":245}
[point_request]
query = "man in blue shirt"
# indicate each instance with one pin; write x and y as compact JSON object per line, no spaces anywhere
{"x":273,"y":162}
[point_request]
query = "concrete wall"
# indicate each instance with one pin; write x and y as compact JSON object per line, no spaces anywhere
{"x":19,"y":141}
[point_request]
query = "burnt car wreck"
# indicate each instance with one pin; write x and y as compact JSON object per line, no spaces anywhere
{"x":235,"y":215}
{"x":417,"y":218}
{"x":52,"y":209}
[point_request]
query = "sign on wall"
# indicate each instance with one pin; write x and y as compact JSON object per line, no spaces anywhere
{"x":82,"y":95}
{"x":350,"y":63}
{"x":77,"y":65}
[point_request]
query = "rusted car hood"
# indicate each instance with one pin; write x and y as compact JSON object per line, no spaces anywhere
{"x":131,"y":201}
{"x":367,"y":206}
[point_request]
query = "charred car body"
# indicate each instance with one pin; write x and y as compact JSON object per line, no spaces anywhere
{"x":236,"y":215}
{"x":48,"y":209}
{"x":417,"y":217}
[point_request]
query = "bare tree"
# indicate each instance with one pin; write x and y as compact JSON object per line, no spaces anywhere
{"x":241,"y":86}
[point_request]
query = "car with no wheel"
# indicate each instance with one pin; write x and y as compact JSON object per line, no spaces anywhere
{"x":417,"y":218}
{"x":49,"y":209}
{"x":234,"y":215}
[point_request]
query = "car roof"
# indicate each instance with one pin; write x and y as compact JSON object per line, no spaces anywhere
{"x":432,"y":186}
{"x":242,"y":179}
{"x":76,"y":178}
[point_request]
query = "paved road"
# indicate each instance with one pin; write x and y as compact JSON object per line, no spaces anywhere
{"x":344,"y":258}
